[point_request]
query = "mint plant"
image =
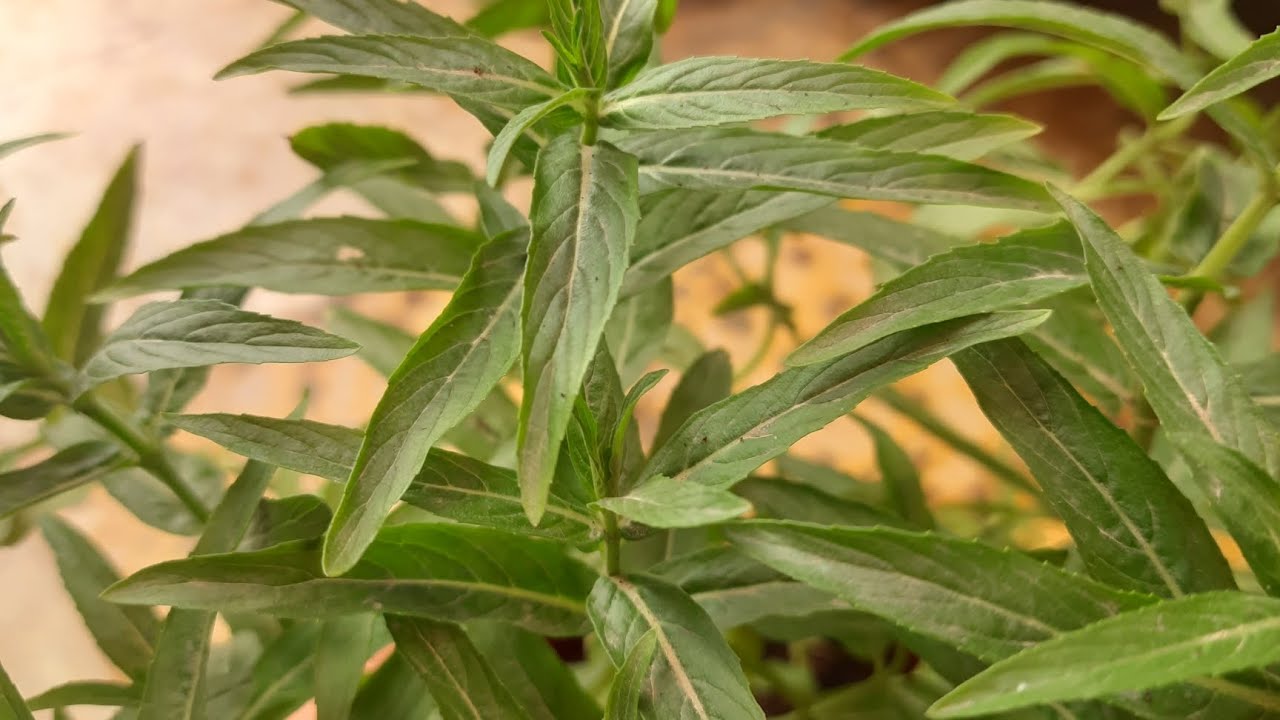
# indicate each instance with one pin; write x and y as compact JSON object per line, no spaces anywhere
{"x":537,"y":558}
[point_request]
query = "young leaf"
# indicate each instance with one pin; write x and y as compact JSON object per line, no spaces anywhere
{"x":694,"y":673}
{"x":21,"y":337}
{"x":961,"y":135}
{"x":1132,"y":527}
{"x":457,"y":675}
{"x":1172,"y":641}
{"x":1255,"y":65}
{"x":380,"y":16}
{"x":899,"y":477}
{"x":948,"y":589}
{"x":72,"y":324}
{"x":1246,"y":499}
{"x":445,"y":376}
{"x":522,"y":121}
{"x":720,"y":444}
{"x":127,"y":635}
{"x":741,"y":159}
{"x":638,"y":327}
{"x":324,"y":256}
{"x":196,"y":333}
{"x":68,"y":469}
{"x":1019,"y":269}
{"x":536,"y":676}
{"x":679,"y":226}
{"x":666,"y":503}
{"x":9,"y":147}
{"x":446,"y":572}
{"x":735,"y":590}
{"x":629,"y":682}
{"x":628,"y":36}
{"x":707,"y":381}
{"x":1187,"y":383}
{"x":11,"y":704}
{"x":470,"y":68}
{"x":584,"y":218}
{"x":702,"y":91}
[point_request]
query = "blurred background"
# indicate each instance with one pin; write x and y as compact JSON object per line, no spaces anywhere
{"x":118,"y":72}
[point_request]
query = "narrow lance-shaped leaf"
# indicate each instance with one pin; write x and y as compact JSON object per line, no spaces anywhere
{"x":1019,"y":269}
{"x":197,"y":333}
{"x":447,"y":484}
{"x":740,"y":159}
{"x":694,"y":674}
{"x":529,"y":667}
{"x":628,"y":684}
{"x":127,"y":635}
{"x":1201,"y":635}
{"x":639,"y":325}
{"x":463,"y":684}
{"x":703,"y":91}
{"x":1212,"y":24}
{"x":721,"y":444}
{"x":1254,"y":65}
{"x":1131,"y":525}
{"x":9,"y":147}
{"x":67,"y":469}
{"x":522,"y":121}
{"x":446,"y":375}
{"x":323,"y":256}
{"x":707,"y":381}
{"x":455,"y":573}
{"x":584,"y":219}
{"x":1188,"y":385}
{"x":961,"y":135}
{"x":665,"y":503}
{"x":899,"y":477}
{"x":783,"y":499}
{"x":628,"y":36}
{"x":106,"y":694}
{"x":902,"y":245}
{"x":22,"y":337}
{"x":71,"y":322}
{"x":11,"y":705}
{"x":394,"y":690}
{"x":280,"y":520}
{"x":380,"y":16}
{"x":465,"y":67}
{"x":1246,"y":499}
{"x":334,"y":145}
{"x":1076,"y":342}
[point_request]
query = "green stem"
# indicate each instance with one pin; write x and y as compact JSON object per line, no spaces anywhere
{"x":591,"y":120}
{"x":150,"y":457}
{"x":612,"y":544}
{"x":1234,"y":238}
{"x":1092,"y":183}
{"x":921,"y":417}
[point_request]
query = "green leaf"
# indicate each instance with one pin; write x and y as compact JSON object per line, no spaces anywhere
{"x":1262,"y":379}
{"x":899,"y":477}
{"x":721,"y":444}
{"x":1114,"y":33}
{"x":21,"y":337}
{"x":457,"y":675}
{"x":1212,"y":25}
{"x":707,"y":381}
{"x":952,"y":590}
{"x":197,"y":333}
{"x":332,"y":146}
{"x":71,"y":323}
{"x":323,"y":256}
{"x":1019,"y":269}
{"x":497,"y":214}
{"x":629,"y":682}
{"x":382,"y":346}
{"x":446,"y":572}
{"x":694,"y":673}
{"x":126,"y":635}
{"x":1075,"y":341}
{"x":500,"y":17}
{"x":628,"y":36}
{"x":1244,"y":497}
{"x":679,"y":226}
{"x":1176,"y":640}
{"x":341,"y":651}
{"x":961,"y":135}
{"x":790,"y":500}
{"x":67,"y":469}
{"x":380,"y":16}
{"x":282,"y":678}
{"x":470,"y":68}
{"x":741,"y":159}
{"x":155,"y":504}
{"x":281,"y":520}
{"x":104,"y":694}
{"x":665,"y":503}
{"x":538,"y":679}
{"x":900,"y":244}
{"x":702,"y":91}
{"x":1132,"y":527}
{"x":10,"y":147}
{"x":1187,"y":383}
{"x":584,"y":218}
{"x":736,"y":590}
{"x":1253,"y":66}
{"x":394,"y":691}
{"x":446,"y":375}
{"x":447,"y":484}
{"x":522,"y":121}
{"x":11,"y":705}
{"x":637,"y":328}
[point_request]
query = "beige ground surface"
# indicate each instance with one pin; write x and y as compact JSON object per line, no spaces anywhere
{"x":120,"y":71}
